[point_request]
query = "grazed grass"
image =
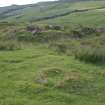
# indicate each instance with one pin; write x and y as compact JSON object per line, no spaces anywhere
{"x":42,"y":69}
{"x":76,"y":79}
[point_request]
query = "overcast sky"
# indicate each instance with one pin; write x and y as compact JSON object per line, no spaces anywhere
{"x":19,"y":2}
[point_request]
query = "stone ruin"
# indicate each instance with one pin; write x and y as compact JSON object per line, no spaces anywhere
{"x":55,"y":27}
{"x":33,"y":29}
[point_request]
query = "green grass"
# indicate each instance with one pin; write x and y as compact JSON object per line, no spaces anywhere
{"x":54,"y":67}
{"x":28,"y":13}
{"x":46,"y":72}
{"x":90,"y":18}
{"x":20,"y":69}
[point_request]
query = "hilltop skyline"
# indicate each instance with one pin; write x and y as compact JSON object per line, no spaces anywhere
{"x":20,"y":2}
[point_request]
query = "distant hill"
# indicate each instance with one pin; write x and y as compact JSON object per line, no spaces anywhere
{"x":69,"y":0}
{"x":77,"y":0}
{"x":57,"y":12}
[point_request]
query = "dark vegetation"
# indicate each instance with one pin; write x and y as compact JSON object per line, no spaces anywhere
{"x":7,"y":13}
{"x":58,"y":15}
{"x":64,"y":14}
{"x":80,"y":42}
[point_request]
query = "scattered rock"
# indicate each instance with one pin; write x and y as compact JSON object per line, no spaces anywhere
{"x":44,"y":76}
{"x":55,"y":27}
{"x":33,"y":30}
{"x":42,"y":81}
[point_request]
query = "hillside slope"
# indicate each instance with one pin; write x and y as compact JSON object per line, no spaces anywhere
{"x":53,"y":53}
{"x":52,"y":67}
{"x":54,"y":11}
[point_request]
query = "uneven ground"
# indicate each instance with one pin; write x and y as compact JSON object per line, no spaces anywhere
{"x":69,"y":81}
{"x":47,"y":73}
{"x":53,"y":67}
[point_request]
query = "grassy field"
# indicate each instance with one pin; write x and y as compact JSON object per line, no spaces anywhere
{"x":89,"y":18}
{"x":68,"y":81}
{"x":52,"y":70}
{"x":54,"y":66}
